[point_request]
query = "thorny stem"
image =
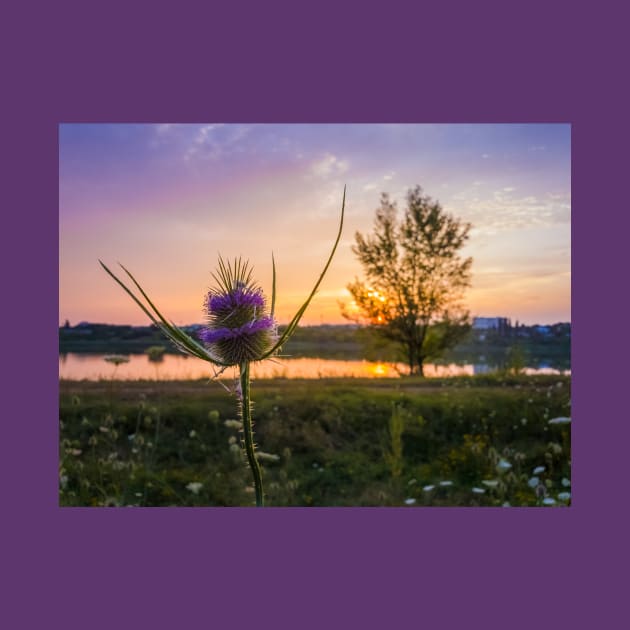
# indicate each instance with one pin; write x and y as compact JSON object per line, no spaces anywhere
{"x":248,"y":432}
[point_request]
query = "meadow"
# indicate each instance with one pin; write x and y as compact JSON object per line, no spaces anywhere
{"x":484,"y":440}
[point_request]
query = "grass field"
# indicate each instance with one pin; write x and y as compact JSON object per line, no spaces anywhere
{"x":465,"y":441}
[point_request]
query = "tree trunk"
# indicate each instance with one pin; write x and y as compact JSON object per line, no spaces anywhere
{"x":411,"y":358}
{"x":420,"y":367}
{"x":415,"y":361}
{"x":422,"y":331}
{"x":416,"y":369}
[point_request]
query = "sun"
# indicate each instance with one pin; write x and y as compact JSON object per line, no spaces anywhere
{"x":379,"y":370}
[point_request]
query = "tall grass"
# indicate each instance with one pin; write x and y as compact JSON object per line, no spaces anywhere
{"x":323,"y":443}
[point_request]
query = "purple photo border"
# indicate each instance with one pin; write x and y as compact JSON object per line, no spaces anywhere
{"x":311,"y":568}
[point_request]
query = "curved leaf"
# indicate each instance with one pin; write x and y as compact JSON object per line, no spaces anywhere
{"x":294,"y":322}
{"x":181,"y":340}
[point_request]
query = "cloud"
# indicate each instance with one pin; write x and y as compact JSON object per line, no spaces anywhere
{"x":329,"y":165}
{"x":505,"y":211}
{"x":202,"y":139}
{"x":389,"y":176}
{"x":204,"y":133}
{"x":214,"y":141}
{"x":163,"y":134}
{"x":164,"y":128}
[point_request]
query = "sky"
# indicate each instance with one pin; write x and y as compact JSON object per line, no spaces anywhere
{"x":166,"y":199}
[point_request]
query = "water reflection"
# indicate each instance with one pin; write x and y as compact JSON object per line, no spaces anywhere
{"x":77,"y":366}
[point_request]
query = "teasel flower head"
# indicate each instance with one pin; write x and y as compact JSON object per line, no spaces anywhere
{"x":239,"y":328}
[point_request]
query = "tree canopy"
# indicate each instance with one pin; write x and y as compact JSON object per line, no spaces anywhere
{"x":415,"y":278}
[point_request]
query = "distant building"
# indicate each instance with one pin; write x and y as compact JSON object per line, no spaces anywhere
{"x":500,"y":324}
{"x":481,"y":368}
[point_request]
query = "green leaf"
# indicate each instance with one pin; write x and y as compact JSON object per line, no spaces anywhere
{"x":189,"y":344}
{"x":273,"y":285}
{"x":294,"y":322}
{"x":183,"y":341}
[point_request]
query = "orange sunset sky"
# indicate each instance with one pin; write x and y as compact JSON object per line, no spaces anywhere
{"x":166,"y":199}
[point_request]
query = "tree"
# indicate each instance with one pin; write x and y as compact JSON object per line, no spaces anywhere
{"x":415,"y":278}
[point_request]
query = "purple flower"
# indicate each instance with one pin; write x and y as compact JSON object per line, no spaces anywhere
{"x":239,"y":329}
{"x":215,"y":335}
{"x":218,"y":303}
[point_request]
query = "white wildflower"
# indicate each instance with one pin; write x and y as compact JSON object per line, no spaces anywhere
{"x":560,"y":420}
{"x":533,"y":482}
{"x":267,"y":457}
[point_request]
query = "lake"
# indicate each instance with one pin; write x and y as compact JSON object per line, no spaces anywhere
{"x":78,"y":366}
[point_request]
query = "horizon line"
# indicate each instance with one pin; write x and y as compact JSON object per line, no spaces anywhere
{"x":149,"y":325}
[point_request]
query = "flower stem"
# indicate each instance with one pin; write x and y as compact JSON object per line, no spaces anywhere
{"x":249,"y":433}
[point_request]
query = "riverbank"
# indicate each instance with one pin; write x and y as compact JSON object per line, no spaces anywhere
{"x":464,"y":441}
{"x":338,"y":342}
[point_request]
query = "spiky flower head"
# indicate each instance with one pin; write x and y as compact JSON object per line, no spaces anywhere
{"x":239,"y":328}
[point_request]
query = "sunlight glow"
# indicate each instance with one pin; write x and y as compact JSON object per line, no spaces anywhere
{"x":379,"y":369}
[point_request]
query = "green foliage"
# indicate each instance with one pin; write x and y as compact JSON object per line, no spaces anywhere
{"x":155,"y":353}
{"x":414,"y":278}
{"x":328,"y":443}
{"x":174,"y":334}
{"x":515,"y":363}
{"x":393,"y":456}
